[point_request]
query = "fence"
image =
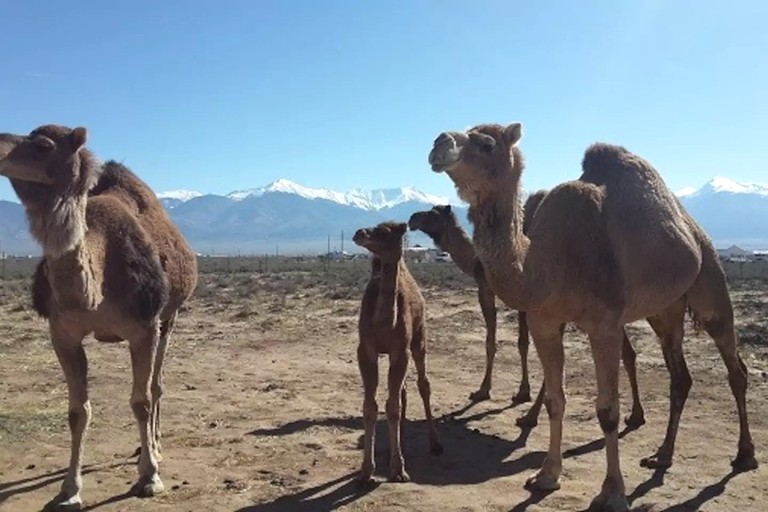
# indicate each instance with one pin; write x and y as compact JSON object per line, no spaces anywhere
{"x":16,"y":267}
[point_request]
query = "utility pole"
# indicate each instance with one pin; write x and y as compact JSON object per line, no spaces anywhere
{"x":342,"y":240}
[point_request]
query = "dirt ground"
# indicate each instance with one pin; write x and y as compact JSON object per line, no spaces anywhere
{"x":262,"y":412}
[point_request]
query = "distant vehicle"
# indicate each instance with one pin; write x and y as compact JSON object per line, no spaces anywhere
{"x":442,"y":256}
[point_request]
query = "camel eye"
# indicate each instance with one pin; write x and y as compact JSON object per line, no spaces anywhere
{"x":43,"y":144}
{"x":486,"y":143}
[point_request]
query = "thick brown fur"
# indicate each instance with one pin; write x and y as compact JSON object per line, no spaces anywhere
{"x":392,"y":323}
{"x":114,"y":265}
{"x":610,"y":248}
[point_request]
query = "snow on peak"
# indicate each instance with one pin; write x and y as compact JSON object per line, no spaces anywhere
{"x":180,"y":195}
{"x":358,"y":197}
{"x":721,"y":184}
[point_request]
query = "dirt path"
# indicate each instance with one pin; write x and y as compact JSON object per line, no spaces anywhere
{"x":262,"y":413}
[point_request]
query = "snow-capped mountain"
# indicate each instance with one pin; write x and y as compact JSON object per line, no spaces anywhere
{"x":300,"y":219}
{"x":360,"y":198}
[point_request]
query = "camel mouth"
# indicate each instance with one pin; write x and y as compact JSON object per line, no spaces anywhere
{"x":8,"y":142}
{"x":447,"y":151}
{"x":360,"y":237}
{"x":414,"y":223}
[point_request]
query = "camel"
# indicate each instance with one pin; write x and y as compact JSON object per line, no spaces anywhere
{"x":392,"y":323}
{"x":441,"y":225}
{"x":610,"y":248}
{"x":113,"y":265}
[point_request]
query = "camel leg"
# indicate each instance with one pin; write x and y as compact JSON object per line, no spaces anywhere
{"x":629,"y":358}
{"x":548,"y":339}
{"x":531,"y":418}
{"x":425,"y":390}
{"x":74,"y":365}
{"x":403,"y":408}
{"x":668,"y":326}
{"x":369,"y":371}
{"x":523,"y":342}
{"x":143,"y":352}
{"x":711,"y":302}
{"x":488,"y":307}
{"x":166,"y":328}
{"x":606,"y":345}
{"x":398,"y":366}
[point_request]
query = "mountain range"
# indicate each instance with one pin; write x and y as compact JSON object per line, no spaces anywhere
{"x":290,"y":218}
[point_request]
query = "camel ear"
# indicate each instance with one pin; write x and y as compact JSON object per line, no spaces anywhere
{"x":513,"y":133}
{"x":78,"y":137}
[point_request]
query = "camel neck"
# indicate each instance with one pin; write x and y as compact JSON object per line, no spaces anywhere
{"x":500,"y":244}
{"x":386,"y":302}
{"x":58,"y":224}
{"x":457,"y":243}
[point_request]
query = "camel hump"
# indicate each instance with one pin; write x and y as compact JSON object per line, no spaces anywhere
{"x":531,"y":205}
{"x":118,"y":180}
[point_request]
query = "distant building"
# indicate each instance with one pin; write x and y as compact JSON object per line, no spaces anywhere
{"x":734,"y":253}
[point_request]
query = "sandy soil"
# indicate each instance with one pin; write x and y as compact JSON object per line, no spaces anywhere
{"x":263,"y":399}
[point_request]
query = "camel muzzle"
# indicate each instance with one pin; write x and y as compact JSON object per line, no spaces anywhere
{"x":446,"y":151}
{"x":360,"y":236}
{"x":8,"y":141}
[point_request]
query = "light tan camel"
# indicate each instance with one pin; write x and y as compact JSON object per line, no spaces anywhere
{"x":441,"y":225}
{"x":613,"y":247}
{"x":392,"y":323}
{"x":113,"y":265}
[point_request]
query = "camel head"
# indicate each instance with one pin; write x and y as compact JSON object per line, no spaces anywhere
{"x":477,"y":158}
{"x":384,"y":240}
{"x":46,"y":161}
{"x":433,"y":222}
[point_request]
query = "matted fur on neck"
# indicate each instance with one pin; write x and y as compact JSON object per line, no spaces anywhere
{"x":57,"y":216}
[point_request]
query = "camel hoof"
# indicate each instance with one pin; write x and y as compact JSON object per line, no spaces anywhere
{"x":63,"y":504}
{"x":635,"y":420}
{"x":657,"y":461}
{"x":436,"y":449}
{"x":613,"y":502}
{"x":480,"y":395}
{"x":147,"y":487}
{"x":521,"y":397}
{"x":542,"y":482}
{"x":399,"y":477}
{"x":744,"y":462}
{"x":366,"y":482}
{"x":527,"y":421}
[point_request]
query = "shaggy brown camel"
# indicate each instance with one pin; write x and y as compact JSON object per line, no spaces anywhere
{"x":113,"y":265}
{"x":441,"y":225}
{"x":392,"y":323}
{"x":613,"y":247}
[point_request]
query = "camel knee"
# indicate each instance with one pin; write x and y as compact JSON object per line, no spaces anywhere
{"x":141,"y":407}
{"x":394,"y":410}
{"x":609,"y":419}
{"x":555,"y":406}
{"x":738,"y":379}
{"x":425,"y":389}
{"x":370,"y":410}
{"x":79,"y":416}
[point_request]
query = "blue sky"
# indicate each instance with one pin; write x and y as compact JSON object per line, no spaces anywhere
{"x":218,"y":96}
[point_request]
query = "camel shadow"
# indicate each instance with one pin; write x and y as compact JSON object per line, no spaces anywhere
{"x":696,"y":503}
{"x":316,"y":498}
{"x":470,"y":457}
{"x":34,"y":483}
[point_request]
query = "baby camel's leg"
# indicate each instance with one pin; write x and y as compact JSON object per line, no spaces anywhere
{"x":369,"y":371}
{"x":419,"y":351}
{"x":398,"y":366}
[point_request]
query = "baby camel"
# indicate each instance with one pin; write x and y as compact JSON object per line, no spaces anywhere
{"x":441,"y":224}
{"x":113,"y":265}
{"x":392,"y":323}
